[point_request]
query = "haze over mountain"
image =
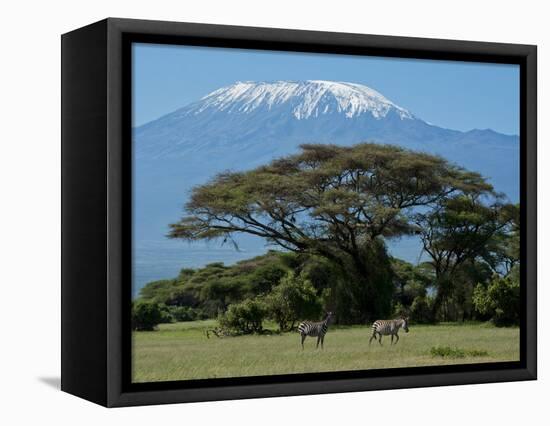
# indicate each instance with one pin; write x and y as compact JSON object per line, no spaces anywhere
{"x":246,"y":124}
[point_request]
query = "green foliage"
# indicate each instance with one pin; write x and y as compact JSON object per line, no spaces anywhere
{"x":503,"y":251}
{"x":186,"y":313}
{"x":146,"y":315}
{"x":265,"y":276}
{"x":448,"y":352}
{"x":165,"y":314}
{"x":245,"y":317}
{"x":293,"y":299}
{"x":410,"y":281}
{"x":318,"y":270}
{"x":500,"y":299}
{"x":421,"y":310}
{"x":213,"y":288}
{"x":399,"y":310}
{"x":159,"y":291}
{"x":412,"y":290}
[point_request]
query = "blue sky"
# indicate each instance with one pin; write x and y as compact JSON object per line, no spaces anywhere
{"x":456,"y":95}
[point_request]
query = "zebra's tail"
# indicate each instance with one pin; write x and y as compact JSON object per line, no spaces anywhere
{"x":373,"y":335}
{"x":374,"y":327}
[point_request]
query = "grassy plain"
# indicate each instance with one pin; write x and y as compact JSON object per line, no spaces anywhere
{"x":181,"y":351}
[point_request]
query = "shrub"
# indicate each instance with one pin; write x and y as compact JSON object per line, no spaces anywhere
{"x":294,"y":298}
{"x":245,"y":318}
{"x":448,"y":352}
{"x":186,"y":313}
{"x":165,"y":314}
{"x":182,"y":313}
{"x":146,"y":315}
{"x":500,"y":300}
{"x":476,"y":352}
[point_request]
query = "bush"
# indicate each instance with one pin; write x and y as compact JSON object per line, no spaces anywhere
{"x":293,"y":299}
{"x":244,"y":318}
{"x":182,"y":313}
{"x":165,"y":314}
{"x":146,"y":315}
{"x":186,"y":313}
{"x":448,"y":352}
{"x":500,"y":300}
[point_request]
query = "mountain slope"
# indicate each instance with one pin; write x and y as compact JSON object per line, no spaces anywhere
{"x":246,"y":124}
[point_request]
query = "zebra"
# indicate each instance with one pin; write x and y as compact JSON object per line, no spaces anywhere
{"x":315,"y":329}
{"x":385,"y":327}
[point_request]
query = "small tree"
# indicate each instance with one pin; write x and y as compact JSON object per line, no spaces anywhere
{"x":500,"y":299}
{"x":245,"y":318}
{"x":294,"y":298}
{"x":146,"y":315}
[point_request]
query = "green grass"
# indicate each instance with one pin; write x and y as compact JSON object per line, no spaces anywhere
{"x":181,"y":351}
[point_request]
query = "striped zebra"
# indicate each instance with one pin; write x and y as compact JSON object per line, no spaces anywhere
{"x":315,"y":329}
{"x":385,"y":327}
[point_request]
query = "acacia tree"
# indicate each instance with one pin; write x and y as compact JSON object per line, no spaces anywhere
{"x":336,"y":202}
{"x":503,"y":251}
{"x":463,"y":229}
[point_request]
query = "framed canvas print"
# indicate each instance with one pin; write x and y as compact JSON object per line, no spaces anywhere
{"x":252,"y":212}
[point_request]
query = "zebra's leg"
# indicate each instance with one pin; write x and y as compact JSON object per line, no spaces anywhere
{"x":397,"y":338}
{"x":391,"y":342}
{"x":372,"y":337}
{"x":322,"y":341}
{"x":380,"y":340}
{"x":303,"y":338}
{"x":318,"y":340}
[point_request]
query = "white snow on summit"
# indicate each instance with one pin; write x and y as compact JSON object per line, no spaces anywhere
{"x":305,"y":98}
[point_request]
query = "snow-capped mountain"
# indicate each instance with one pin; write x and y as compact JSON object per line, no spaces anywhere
{"x":305,"y":99}
{"x":273,"y":116}
{"x":246,"y":124}
{"x":259,"y":119}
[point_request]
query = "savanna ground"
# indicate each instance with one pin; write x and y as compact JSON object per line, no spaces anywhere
{"x":181,"y":351}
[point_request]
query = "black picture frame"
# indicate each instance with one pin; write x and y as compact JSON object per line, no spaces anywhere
{"x":96,"y":207}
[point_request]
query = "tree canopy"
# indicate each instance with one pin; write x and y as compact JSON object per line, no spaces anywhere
{"x":327,"y":199}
